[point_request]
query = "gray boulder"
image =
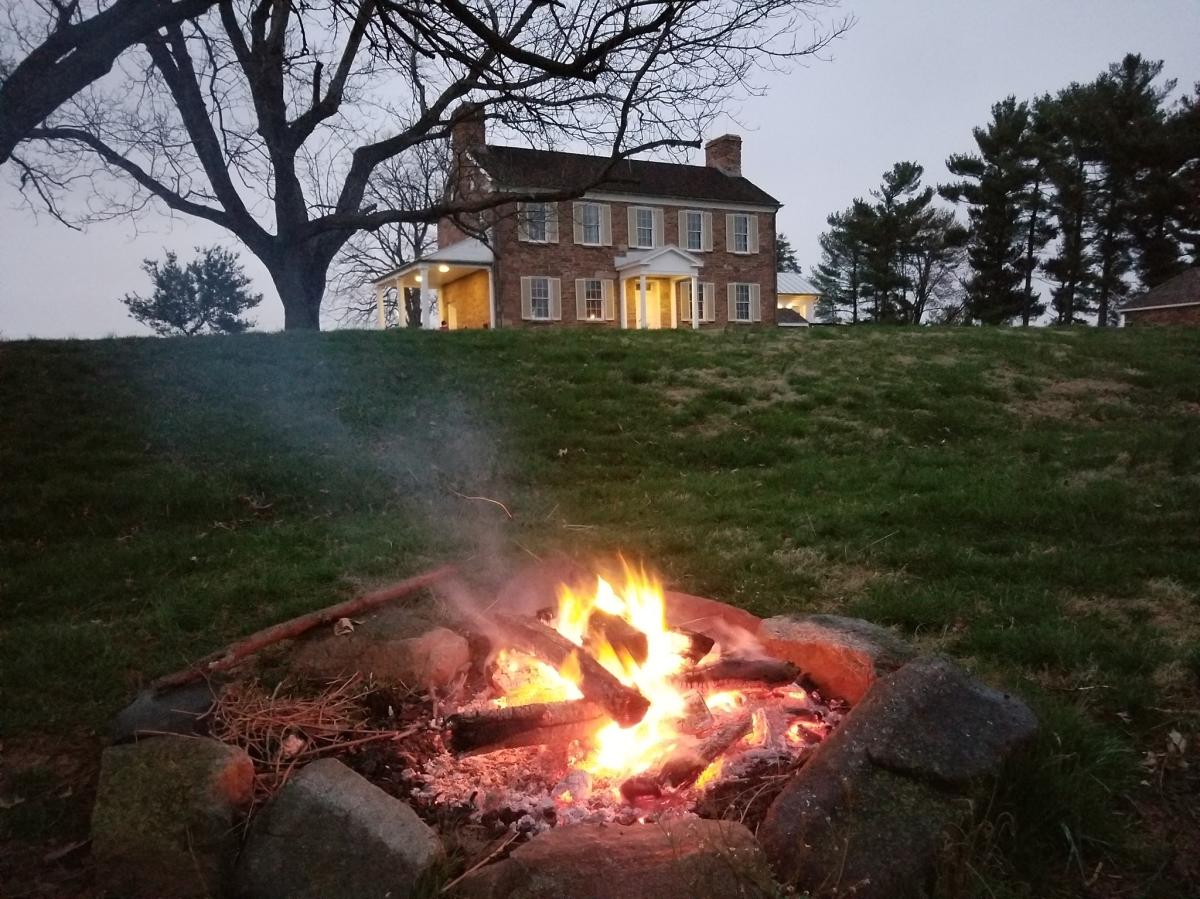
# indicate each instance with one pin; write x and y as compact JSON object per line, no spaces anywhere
{"x":842,"y":656}
{"x":682,"y":859}
{"x":866,"y":815}
{"x":330,"y":832}
{"x":175,"y":711}
{"x":165,"y":814}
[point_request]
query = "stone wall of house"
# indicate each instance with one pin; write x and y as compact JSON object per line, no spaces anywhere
{"x":469,"y":297}
{"x":1173,"y":315}
{"x":568,"y":261}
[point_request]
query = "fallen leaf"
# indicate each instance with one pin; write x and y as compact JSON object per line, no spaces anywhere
{"x":342,"y":627}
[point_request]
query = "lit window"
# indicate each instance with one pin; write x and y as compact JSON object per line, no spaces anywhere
{"x":645,"y":227}
{"x":536,"y":215}
{"x":695,"y":231}
{"x":539,"y":298}
{"x":593,"y":300}
{"x":591,"y":223}
{"x":741,"y":234}
{"x":741,"y":302}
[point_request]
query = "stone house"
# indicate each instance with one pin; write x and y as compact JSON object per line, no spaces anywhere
{"x":647,"y":245}
{"x":1174,"y":302}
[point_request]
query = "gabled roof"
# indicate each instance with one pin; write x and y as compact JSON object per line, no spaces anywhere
{"x":647,"y":257}
{"x":1182,"y":290}
{"x":552,"y":170}
{"x":793,"y":282}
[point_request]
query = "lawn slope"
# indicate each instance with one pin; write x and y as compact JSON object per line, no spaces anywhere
{"x":1026,"y":501}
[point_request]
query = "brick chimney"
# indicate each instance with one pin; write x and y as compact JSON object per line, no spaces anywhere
{"x":469,"y":132}
{"x":724,"y":154}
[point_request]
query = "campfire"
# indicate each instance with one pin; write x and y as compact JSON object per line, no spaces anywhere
{"x":594,"y":709}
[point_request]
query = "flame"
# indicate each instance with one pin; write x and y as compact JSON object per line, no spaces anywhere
{"x":639,"y":602}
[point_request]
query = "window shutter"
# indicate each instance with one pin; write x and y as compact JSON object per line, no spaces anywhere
{"x":752,"y":231}
{"x":577,"y":219}
{"x":580,"y":299}
{"x":755,"y":304}
{"x":659,"y":228}
{"x":555,"y":298}
{"x":607,"y":288}
{"x":729,"y":244}
{"x":706,"y":239}
{"x":682,"y":242}
{"x":522,"y":222}
{"x":708,"y":290}
{"x":606,"y":224}
{"x":731,"y":296}
{"x":551,"y":223}
{"x":526,"y":299}
{"x":631,"y":219}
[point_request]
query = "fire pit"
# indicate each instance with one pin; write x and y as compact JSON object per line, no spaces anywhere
{"x":595,"y":710}
{"x":589,"y":735}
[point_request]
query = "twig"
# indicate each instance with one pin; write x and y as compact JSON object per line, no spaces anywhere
{"x":486,"y":499}
{"x":479,"y":864}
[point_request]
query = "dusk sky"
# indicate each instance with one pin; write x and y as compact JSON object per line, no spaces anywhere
{"x":909,"y":81}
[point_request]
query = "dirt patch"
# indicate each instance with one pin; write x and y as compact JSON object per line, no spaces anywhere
{"x":1066,"y":399}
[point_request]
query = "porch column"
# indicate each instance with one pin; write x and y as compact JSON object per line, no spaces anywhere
{"x":643,"y":319}
{"x":491,"y":299}
{"x":623,"y":283}
{"x":674,"y":303}
{"x":695,"y":302}
{"x":425,"y":300}
{"x":380,"y":293}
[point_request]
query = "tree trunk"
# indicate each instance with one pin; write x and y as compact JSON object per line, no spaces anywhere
{"x":300,"y":280}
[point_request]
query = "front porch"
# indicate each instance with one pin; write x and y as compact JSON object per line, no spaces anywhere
{"x":455,"y":287}
{"x":660,"y":288}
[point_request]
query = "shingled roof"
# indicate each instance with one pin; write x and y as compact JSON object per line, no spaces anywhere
{"x":1182,"y":290}
{"x":519,"y":167}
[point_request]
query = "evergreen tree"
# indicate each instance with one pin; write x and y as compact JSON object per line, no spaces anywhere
{"x":207,"y":296}
{"x":785,"y":255}
{"x":840,"y":274}
{"x":897,"y":216}
{"x":997,"y":187}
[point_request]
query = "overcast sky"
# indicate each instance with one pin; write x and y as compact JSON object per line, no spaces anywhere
{"x":908,"y":82}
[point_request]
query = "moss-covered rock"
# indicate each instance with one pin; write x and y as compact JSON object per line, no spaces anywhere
{"x":165,"y":814}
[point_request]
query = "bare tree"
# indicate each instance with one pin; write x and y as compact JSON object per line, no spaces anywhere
{"x":63,"y":51}
{"x":269,"y":118}
{"x":416,"y":181}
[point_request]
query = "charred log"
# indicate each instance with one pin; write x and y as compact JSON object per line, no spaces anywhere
{"x":624,"y":705}
{"x":686,"y":765}
{"x":698,"y":644}
{"x":622,"y":636}
{"x":540,"y":723}
{"x":733,"y":670}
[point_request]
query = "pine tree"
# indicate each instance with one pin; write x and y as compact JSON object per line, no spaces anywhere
{"x":897,"y":217}
{"x":207,"y":296}
{"x":1003,"y":212}
{"x":785,"y":255}
{"x":840,"y":274}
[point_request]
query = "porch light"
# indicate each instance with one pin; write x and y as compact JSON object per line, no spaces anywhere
{"x":443,"y":268}
{"x":418,"y":277}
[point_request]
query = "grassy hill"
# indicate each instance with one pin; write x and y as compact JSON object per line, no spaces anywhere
{"x":1028,"y":502}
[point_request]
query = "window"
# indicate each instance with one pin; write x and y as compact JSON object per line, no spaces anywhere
{"x":590,"y":213}
{"x":644,"y":223}
{"x":593,"y":300}
{"x":694,"y":232}
{"x":741,"y":234}
{"x":539,"y":298}
{"x":741,"y":302}
{"x":685,"y":302}
{"x":536,"y":222}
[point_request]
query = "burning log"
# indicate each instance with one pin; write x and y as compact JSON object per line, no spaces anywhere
{"x":734,"y":670}
{"x":622,"y":636}
{"x":698,"y":644}
{"x":624,"y":705}
{"x":686,"y":765}
{"x":536,"y":724}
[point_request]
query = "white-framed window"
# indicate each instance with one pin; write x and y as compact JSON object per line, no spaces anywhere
{"x":694,"y":231}
{"x":539,"y":298}
{"x":593,"y":300}
{"x":589,"y":214}
{"x":741,"y":302}
{"x":683,"y":291}
{"x":536,"y":222}
{"x":741,"y":234}
{"x":644,"y":226}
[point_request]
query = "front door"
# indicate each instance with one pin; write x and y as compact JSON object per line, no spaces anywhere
{"x":658,"y":302}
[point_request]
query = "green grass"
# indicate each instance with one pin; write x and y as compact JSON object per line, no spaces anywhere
{"x":1028,"y":502}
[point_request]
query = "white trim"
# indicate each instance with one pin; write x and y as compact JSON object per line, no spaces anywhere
{"x":1167,"y":306}
{"x":683,"y":202}
{"x":645,"y":259}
